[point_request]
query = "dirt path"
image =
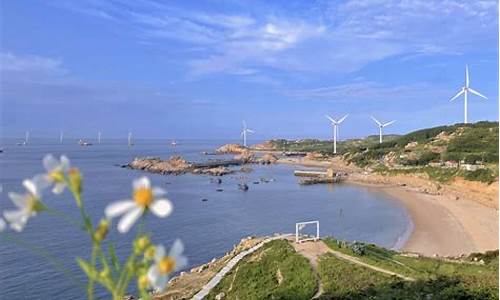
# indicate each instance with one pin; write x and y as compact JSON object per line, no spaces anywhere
{"x":312,"y":250}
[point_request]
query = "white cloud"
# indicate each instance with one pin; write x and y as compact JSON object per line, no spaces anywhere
{"x":336,"y":37}
{"x":363,"y":91}
{"x":32,"y":64}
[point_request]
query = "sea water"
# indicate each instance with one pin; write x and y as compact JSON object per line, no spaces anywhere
{"x":208,"y":228}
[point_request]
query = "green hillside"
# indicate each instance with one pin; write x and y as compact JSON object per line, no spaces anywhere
{"x":276,"y":271}
{"x":466,"y":150}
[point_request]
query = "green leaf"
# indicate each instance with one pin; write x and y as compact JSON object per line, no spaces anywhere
{"x":87,"y":268}
{"x":114,"y":259}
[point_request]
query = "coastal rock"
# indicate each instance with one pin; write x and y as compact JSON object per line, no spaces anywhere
{"x":245,"y":156}
{"x":231,"y":149}
{"x":268,"y":158}
{"x":246,"y":169}
{"x":218,"y":171}
{"x":266,"y":146}
{"x":174,"y":165}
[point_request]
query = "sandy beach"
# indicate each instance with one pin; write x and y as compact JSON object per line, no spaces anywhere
{"x":448,"y":220}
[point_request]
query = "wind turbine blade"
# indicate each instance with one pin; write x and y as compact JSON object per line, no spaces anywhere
{"x":331,"y":119}
{"x":388,"y":123}
{"x":457,"y":95}
{"x":244,"y":124}
{"x":466,"y":76}
{"x":342,"y":119}
{"x":250,"y":130}
{"x":376,"y":121}
{"x":477,"y":93}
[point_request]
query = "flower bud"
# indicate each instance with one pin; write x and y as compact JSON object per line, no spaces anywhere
{"x":75,"y":180}
{"x":150,"y":252}
{"x":142,"y":243}
{"x":101,"y":231}
{"x":143,"y":282}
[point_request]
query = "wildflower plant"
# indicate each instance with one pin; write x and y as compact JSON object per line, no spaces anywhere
{"x":148,"y":265}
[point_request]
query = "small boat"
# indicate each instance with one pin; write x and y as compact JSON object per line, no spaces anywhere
{"x":243,"y":186}
{"x":84,"y":143}
{"x":23,"y":143}
{"x":173,"y":143}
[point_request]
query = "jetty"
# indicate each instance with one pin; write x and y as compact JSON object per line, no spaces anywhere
{"x":316,"y":176}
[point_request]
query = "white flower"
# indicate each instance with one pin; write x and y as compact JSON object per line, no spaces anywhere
{"x":55,"y":171}
{"x":163,"y":265}
{"x":28,"y":204}
{"x":144,"y":198}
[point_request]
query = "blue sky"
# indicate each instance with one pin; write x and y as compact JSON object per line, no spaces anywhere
{"x":196,"y":69}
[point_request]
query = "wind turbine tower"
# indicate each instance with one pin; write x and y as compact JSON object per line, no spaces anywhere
{"x":465,"y":90}
{"x":335,"y":124}
{"x":244,"y":133}
{"x":380,"y":126}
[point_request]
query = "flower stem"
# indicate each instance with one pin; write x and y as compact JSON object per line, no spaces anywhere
{"x":90,"y":284}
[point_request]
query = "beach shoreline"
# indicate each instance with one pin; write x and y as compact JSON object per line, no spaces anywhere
{"x":443,"y":224}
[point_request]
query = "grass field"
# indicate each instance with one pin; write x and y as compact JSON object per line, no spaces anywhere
{"x":276,"y":271}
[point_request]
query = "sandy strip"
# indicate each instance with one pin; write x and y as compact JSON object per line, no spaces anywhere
{"x":447,"y":227}
{"x":443,"y":225}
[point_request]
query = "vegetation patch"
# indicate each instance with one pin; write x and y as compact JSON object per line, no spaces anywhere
{"x":436,"y":277}
{"x":280,"y":273}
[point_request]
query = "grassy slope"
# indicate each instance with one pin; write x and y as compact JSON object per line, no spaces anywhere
{"x":444,"y":280}
{"x":256,"y":276}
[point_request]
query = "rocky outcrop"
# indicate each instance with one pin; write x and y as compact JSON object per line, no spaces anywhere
{"x":266,"y":146}
{"x":175,"y":165}
{"x":218,"y":171}
{"x":268,"y":158}
{"x":231,"y":149}
{"x":246,"y":156}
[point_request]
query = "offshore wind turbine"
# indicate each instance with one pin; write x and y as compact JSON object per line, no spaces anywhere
{"x":99,"y":137}
{"x":27,"y":137}
{"x":244,"y":133}
{"x":466,"y":89}
{"x":130,"y":139}
{"x":380,"y":126}
{"x":335,"y":124}
{"x":61,"y":136}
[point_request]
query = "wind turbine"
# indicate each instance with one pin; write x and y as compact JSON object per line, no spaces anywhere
{"x":99,"y":137}
{"x":244,"y":133}
{"x":130,"y":139}
{"x":27,"y":137}
{"x":335,"y":124}
{"x":380,"y":126}
{"x":465,"y":89}
{"x":61,"y":136}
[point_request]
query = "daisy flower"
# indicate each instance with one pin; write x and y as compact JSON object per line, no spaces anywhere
{"x":55,"y":171}
{"x":28,"y":204}
{"x":164,"y":265}
{"x":143,"y":199}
